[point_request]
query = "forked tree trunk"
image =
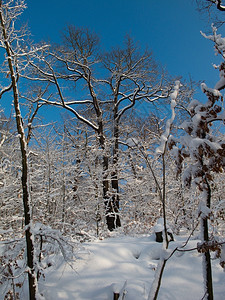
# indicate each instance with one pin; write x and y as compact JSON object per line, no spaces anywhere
{"x":23,"y":149}
{"x":111,"y":209}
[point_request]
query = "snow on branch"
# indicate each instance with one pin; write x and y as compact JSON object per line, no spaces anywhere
{"x":219,"y":42}
{"x":217,"y":39}
{"x":165,"y":135}
{"x":219,"y":6}
{"x":215,"y":92}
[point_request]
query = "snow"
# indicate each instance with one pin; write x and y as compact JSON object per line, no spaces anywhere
{"x":221,"y":83}
{"x":165,"y":136}
{"x":204,"y":210}
{"x":132,"y":142}
{"x":128,"y":265}
{"x":158,"y":228}
{"x":206,"y":89}
{"x":217,"y":39}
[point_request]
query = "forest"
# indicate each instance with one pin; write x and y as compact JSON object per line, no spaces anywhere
{"x":106,"y":171}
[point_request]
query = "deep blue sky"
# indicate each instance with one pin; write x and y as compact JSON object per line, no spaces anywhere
{"x":170,"y":28}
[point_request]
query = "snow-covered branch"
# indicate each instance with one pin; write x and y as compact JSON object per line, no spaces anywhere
{"x":166,"y":134}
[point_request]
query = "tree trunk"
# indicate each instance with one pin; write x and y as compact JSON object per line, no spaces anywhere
{"x":112,"y":218}
{"x":153,"y":295}
{"x":114,"y":177}
{"x":207,"y":269}
{"x":162,"y":263}
{"x":23,"y":149}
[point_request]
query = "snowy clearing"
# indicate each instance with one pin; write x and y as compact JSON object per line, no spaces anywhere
{"x":128,"y":263}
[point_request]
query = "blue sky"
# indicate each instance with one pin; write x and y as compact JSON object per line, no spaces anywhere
{"x":171,"y":29}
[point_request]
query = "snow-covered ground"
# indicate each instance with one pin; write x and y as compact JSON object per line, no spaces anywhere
{"x":128,"y":263}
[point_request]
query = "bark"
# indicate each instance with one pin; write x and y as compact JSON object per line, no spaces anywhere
{"x":164,"y":199}
{"x":112,"y":217}
{"x":207,"y":269}
{"x":114,"y":177}
{"x":23,"y":149}
{"x":112,"y":208}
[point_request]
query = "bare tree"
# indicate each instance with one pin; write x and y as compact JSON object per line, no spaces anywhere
{"x":128,"y":76}
{"x":12,"y":42}
{"x":133,"y":76}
